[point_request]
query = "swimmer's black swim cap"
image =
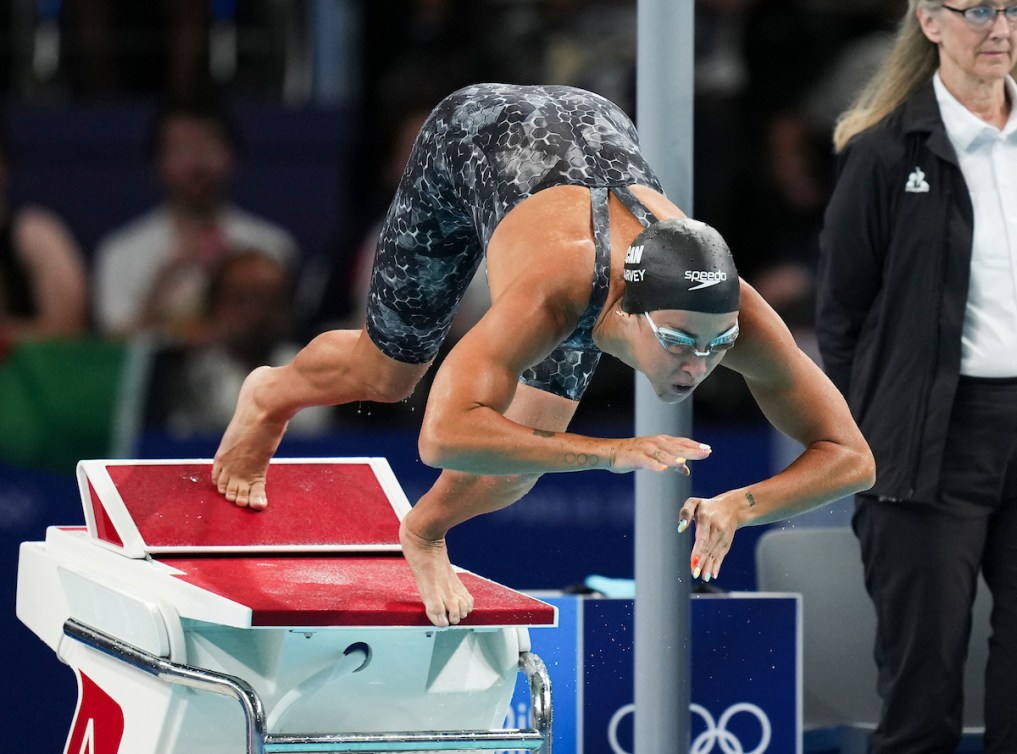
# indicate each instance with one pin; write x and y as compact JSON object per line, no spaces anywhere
{"x":680,"y":264}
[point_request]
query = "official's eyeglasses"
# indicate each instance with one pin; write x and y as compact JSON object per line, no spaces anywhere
{"x":984,"y":16}
{"x":679,"y":343}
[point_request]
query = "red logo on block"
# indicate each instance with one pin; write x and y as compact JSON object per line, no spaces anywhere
{"x":98,"y":724}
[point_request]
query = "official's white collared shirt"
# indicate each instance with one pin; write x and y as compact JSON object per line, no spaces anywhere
{"x":988,"y":161}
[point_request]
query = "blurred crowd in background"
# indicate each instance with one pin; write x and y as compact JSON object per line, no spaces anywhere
{"x":151,"y":323}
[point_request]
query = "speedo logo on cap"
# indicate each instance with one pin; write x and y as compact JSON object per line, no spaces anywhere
{"x":705,"y":278}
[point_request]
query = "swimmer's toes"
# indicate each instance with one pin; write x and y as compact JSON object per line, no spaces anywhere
{"x":437,"y":616}
{"x":233,"y":493}
{"x":465,"y":602}
{"x":257,"y":498}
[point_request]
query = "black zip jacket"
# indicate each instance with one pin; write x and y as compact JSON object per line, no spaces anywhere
{"x":895,"y":257}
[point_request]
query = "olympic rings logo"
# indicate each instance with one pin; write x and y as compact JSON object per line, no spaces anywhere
{"x":612,"y":728}
{"x":718,"y":734}
{"x":715,"y":735}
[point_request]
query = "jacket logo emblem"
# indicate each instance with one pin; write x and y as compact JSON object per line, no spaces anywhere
{"x":916,"y":182}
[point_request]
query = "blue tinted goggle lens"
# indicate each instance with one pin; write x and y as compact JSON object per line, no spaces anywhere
{"x":677,"y":342}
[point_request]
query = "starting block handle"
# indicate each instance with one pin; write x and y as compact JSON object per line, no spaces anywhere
{"x":536,"y":739}
{"x":540,"y":695}
{"x":183,"y":675}
{"x":389,"y":743}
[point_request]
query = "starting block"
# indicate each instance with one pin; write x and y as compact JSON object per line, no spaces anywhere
{"x":195,"y":626}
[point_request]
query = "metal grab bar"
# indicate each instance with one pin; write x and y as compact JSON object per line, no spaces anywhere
{"x":541,"y":708}
{"x":385,"y":743}
{"x":259,"y":741}
{"x":181,"y":675}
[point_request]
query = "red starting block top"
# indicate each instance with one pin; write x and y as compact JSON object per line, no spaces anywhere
{"x":348,"y":590}
{"x":325,"y":552}
{"x":147,"y":507}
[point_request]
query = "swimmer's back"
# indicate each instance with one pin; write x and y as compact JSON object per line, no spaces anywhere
{"x":490,"y":146}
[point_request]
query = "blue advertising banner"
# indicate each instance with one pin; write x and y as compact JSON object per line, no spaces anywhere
{"x":745,"y":685}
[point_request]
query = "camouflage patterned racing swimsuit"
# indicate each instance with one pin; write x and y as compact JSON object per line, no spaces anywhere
{"x":482,"y":151}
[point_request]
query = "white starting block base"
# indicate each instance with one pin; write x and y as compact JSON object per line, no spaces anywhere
{"x":197,"y":627}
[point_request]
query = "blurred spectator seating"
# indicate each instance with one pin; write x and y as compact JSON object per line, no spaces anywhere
{"x":151,"y":273}
{"x":43,"y":283}
{"x":247,"y":322}
{"x":124,"y":49}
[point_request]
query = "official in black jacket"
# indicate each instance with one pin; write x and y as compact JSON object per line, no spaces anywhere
{"x":917,"y":326}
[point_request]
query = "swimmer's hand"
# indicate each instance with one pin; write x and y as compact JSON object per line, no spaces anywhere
{"x":716,"y":519}
{"x":657,"y":453}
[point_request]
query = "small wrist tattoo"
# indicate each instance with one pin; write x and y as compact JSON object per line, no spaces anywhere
{"x":751,"y":499}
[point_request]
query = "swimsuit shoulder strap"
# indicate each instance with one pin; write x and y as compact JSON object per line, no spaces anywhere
{"x":602,"y":242}
{"x":633,"y":205}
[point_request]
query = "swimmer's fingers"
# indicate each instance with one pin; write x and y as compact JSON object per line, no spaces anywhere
{"x":688,"y":513}
{"x":706,"y":566}
{"x":714,"y":535}
{"x":707,"y":557}
{"x":658,"y":453}
{"x":678,"y":451}
{"x":681,"y":465}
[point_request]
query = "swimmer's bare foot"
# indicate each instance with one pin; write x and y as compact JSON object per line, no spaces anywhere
{"x":446,"y":600}
{"x":241,"y":462}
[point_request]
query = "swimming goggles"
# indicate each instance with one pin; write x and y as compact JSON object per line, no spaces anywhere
{"x":677,"y":342}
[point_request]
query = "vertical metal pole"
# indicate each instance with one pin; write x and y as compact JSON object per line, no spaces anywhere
{"x":332,"y":28}
{"x":664,"y":90}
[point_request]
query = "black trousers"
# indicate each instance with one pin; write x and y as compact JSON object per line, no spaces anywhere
{"x":922,"y":560}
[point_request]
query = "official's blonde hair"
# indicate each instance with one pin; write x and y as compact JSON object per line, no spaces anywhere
{"x":910,"y":64}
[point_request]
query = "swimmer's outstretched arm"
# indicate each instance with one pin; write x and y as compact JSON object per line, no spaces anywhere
{"x":800,"y":401}
{"x":464,"y":427}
